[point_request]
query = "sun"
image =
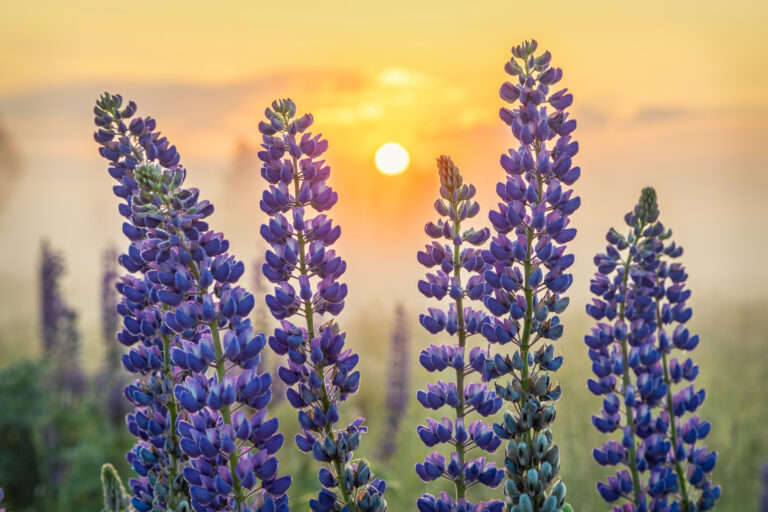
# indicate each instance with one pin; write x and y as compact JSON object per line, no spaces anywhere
{"x":391,"y":159}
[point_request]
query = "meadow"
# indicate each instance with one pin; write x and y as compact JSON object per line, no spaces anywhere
{"x":731,"y":355}
{"x":217,"y":298}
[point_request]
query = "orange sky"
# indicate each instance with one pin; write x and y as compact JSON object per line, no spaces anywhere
{"x":672,"y":94}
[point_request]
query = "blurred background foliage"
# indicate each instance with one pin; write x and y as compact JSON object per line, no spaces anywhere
{"x":650,"y":109}
{"x":66,"y":478}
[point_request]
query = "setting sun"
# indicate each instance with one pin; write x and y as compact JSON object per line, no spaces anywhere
{"x":391,"y":159}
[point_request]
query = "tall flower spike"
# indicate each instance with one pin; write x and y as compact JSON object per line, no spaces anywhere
{"x":528,"y":274}
{"x":689,"y":459}
{"x":454,"y":258}
{"x":61,"y":340}
{"x":639,"y":291}
{"x":398,"y":380}
{"x":192,"y":344}
{"x":625,"y":283}
{"x":764,"y":498}
{"x":306,"y":272}
{"x":115,"y":497}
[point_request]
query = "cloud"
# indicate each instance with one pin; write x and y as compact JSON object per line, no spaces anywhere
{"x":654,"y":114}
{"x":10,"y":167}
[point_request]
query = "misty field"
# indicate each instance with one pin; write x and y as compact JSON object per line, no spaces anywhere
{"x":369,"y":257}
{"x":731,"y":355}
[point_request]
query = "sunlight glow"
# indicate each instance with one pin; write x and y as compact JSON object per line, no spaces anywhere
{"x":391,"y":159}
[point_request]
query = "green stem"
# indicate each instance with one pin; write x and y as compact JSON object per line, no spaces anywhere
{"x":173,"y":413}
{"x":461,"y":489}
{"x":626,"y":383}
{"x":309,"y":316}
{"x":525,"y":339}
{"x":673,"y":422}
{"x":221,"y":371}
{"x":528,"y":321}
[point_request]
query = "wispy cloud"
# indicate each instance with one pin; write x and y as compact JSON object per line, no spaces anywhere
{"x":656,"y":114}
{"x":10,"y":166}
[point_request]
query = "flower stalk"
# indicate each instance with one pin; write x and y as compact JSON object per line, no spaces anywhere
{"x":527,"y":274}
{"x":451,"y":251}
{"x":305,"y":270}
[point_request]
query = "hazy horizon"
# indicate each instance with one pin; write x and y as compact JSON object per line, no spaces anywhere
{"x":661,"y":98}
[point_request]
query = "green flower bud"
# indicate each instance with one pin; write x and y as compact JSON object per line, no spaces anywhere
{"x":550,"y":505}
{"x":115,"y":497}
{"x":545,"y":472}
{"x":524,"y":505}
{"x":510,"y":489}
{"x":532,"y":482}
{"x":546,"y":416}
{"x":540,"y":446}
{"x":149,"y":175}
{"x":541,"y":385}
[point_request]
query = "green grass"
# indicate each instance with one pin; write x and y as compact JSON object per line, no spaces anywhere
{"x":732,"y":358}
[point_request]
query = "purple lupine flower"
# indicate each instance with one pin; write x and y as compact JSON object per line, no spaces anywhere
{"x":184,"y":318}
{"x":269,"y":362}
{"x":457,"y":277}
{"x":61,"y":340}
{"x":306,"y":271}
{"x":639,"y":291}
{"x":396,"y":404}
{"x":528,"y":274}
{"x":764,"y":498}
{"x":690,"y":460}
{"x":625,"y":283}
{"x":112,"y":382}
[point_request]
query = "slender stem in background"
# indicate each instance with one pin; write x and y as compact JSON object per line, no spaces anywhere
{"x":309,"y":315}
{"x":673,"y":422}
{"x":460,"y":413}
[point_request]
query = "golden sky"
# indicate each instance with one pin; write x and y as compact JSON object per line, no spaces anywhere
{"x":673,"y":94}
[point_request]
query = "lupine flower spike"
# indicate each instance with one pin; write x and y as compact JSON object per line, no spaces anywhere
{"x":61,"y":340}
{"x":639,"y":291}
{"x":192,"y":346}
{"x":306,"y":271}
{"x":528,"y":274}
{"x":457,"y":278}
{"x":115,"y":497}
{"x":764,"y":498}
{"x":396,"y":404}
{"x":61,"y":343}
{"x":690,"y":459}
